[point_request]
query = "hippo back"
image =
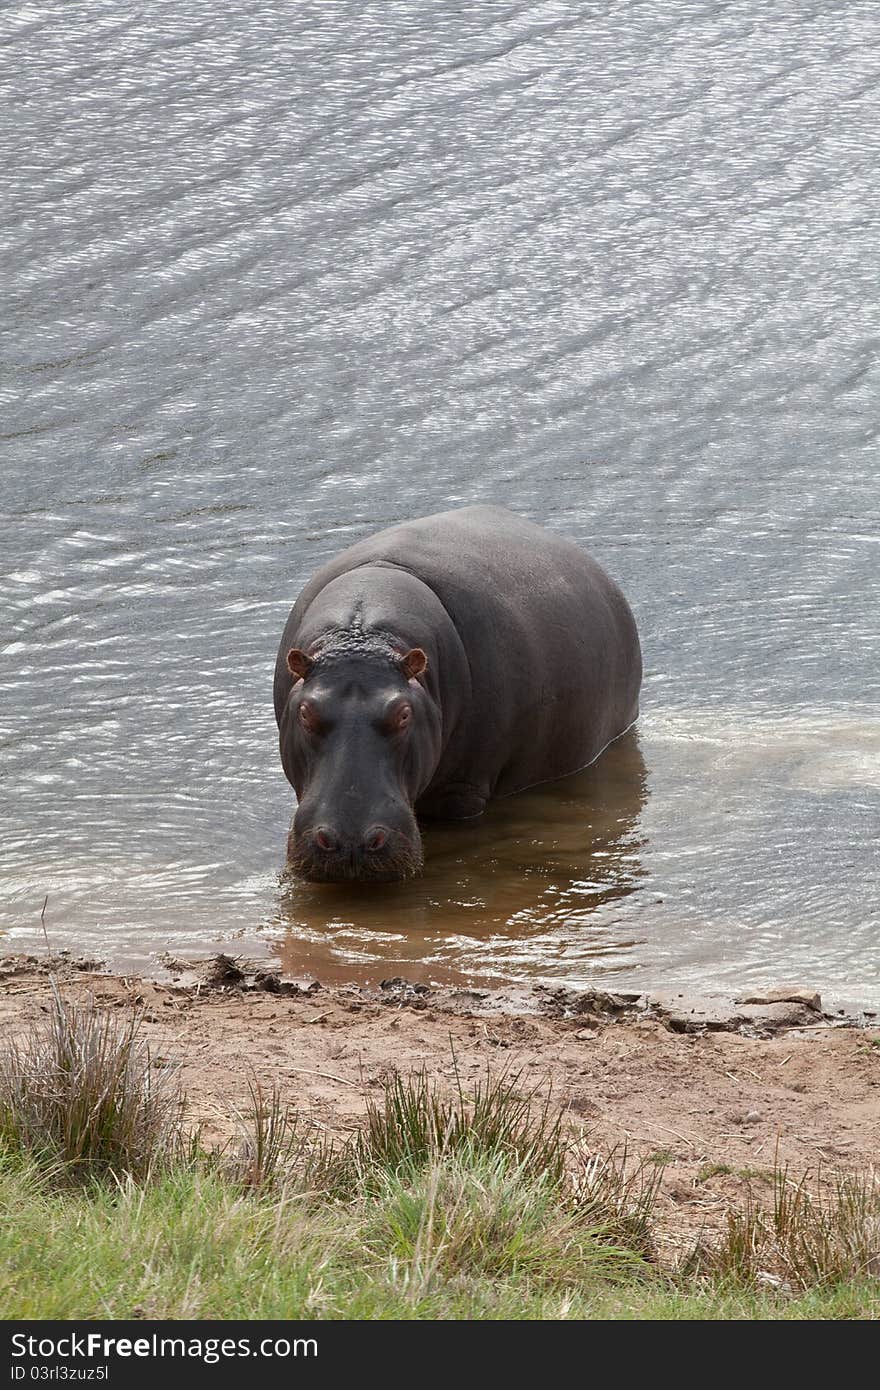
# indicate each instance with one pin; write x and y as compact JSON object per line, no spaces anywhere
{"x":551,"y":643}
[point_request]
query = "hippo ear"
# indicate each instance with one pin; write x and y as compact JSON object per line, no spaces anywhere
{"x":413,"y":663}
{"x":298,"y":664}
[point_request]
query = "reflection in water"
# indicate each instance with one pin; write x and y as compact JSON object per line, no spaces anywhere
{"x":531,"y":880}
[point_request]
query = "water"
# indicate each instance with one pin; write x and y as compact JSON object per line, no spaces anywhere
{"x":277,"y":276}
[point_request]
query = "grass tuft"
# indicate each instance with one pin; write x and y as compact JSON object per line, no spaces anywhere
{"x":713,"y":1170}
{"x":619,"y":1194}
{"x":487,"y":1216}
{"x":815,"y":1235}
{"x":276,"y":1148}
{"x":416,"y":1124}
{"x":79,"y":1095}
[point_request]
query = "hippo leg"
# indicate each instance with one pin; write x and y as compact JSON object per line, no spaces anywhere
{"x":456,"y":802}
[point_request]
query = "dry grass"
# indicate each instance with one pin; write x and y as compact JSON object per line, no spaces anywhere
{"x":817,"y":1233}
{"x":620,"y":1193}
{"x":80,"y":1094}
{"x":276,"y":1147}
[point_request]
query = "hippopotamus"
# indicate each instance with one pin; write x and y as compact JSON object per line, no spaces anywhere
{"x":434,"y":665}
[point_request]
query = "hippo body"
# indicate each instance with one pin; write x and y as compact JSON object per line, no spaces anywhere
{"x":434,"y":665}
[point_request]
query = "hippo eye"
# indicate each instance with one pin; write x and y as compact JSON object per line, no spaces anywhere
{"x":400,"y":718}
{"x":308,"y":717}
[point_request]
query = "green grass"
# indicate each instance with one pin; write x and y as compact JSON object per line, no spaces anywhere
{"x":475,"y":1205}
{"x":470,"y":1239}
{"x":661,"y":1158}
{"x":416,"y":1123}
{"x":713,"y":1170}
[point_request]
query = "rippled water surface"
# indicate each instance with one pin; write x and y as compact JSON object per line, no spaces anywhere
{"x":275,"y":276}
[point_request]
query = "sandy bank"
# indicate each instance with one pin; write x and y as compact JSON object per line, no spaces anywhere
{"x":714,"y":1091}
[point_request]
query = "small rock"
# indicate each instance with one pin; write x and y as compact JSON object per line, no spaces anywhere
{"x":224,"y":970}
{"x":397,"y":990}
{"x":752,"y":1117}
{"x":398,"y":982}
{"x":785,"y":1013}
{"x":809,"y":998}
{"x":268,"y":980}
{"x":586,"y":1034}
{"x":588,"y":1020}
{"x":697,"y":1013}
{"x":582,"y":1106}
{"x":566,"y":1003}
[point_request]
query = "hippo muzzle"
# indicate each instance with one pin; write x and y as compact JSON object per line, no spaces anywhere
{"x":323,"y":849}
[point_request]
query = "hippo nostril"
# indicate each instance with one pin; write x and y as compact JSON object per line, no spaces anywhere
{"x":325,"y":839}
{"x":376,"y":838}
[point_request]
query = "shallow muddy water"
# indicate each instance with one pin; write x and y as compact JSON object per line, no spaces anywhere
{"x":276,"y":277}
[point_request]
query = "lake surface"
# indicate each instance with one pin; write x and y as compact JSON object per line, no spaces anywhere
{"x":274,"y":277}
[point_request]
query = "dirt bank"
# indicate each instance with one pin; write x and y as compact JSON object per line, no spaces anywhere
{"x":712,"y":1091}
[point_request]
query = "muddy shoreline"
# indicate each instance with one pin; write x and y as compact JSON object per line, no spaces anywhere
{"x":716,"y":1092}
{"x":761,"y":1013}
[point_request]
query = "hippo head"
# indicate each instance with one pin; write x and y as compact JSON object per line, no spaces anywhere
{"x":361,"y":737}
